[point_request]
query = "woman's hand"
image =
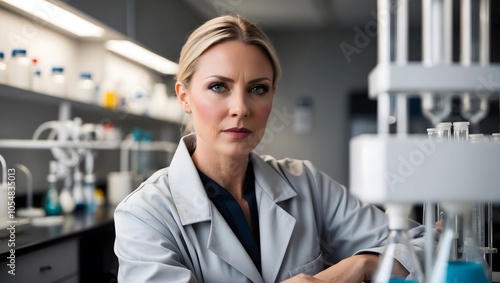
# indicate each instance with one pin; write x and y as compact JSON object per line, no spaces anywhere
{"x":303,"y":278}
{"x":353,"y":269}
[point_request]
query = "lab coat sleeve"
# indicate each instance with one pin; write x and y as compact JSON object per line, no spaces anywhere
{"x":352,"y":227}
{"x":145,"y":249}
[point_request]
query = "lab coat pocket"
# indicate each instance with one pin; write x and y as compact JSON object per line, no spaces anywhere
{"x":310,"y":268}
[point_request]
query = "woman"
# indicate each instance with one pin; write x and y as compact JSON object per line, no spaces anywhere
{"x":221,"y":213}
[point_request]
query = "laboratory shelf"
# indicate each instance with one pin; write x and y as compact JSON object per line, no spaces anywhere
{"x":8,"y":92}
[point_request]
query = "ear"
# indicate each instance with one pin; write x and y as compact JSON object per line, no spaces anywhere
{"x":182,"y":96}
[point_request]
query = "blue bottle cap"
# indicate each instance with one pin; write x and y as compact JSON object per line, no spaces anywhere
{"x":2,"y":55}
{"x":57,"y":69}
{"x":85,"y":75}
{"x":16,"y":52}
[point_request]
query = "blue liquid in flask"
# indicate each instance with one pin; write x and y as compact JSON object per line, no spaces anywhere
{"x":465,"y":272}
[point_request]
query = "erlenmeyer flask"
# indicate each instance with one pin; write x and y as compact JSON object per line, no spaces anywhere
{"x":398,"y":245}
{"x":469,"y":265}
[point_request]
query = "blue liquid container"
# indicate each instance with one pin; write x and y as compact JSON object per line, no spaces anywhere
{"x":465,"y":272}
{"x":51,"y":204}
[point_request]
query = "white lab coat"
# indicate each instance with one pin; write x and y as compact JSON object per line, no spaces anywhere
{"x":168,"y":230}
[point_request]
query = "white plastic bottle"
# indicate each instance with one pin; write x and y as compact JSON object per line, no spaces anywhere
{"x":20,"y":69}
{"x":3,"y":69}
{"x":85,"y":89}
{"x":57,"y":86}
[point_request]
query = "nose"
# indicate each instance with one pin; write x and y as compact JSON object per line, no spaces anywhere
{"x":239,"y":105}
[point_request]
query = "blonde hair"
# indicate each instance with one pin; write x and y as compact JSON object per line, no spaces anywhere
{"x":218,"y":30}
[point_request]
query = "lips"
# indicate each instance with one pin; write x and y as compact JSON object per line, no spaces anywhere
{"x":238,"y":133}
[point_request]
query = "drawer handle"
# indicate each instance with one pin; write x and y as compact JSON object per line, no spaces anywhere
{"x":45,"y":268}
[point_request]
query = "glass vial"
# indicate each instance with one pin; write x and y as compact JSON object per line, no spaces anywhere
{"x":398,"y":245}
{"x":461,"y":131}
{"x":444,"y":131}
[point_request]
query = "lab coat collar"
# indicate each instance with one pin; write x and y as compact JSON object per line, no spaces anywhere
{"x":189,"y":194}
{"x":276,"y":225}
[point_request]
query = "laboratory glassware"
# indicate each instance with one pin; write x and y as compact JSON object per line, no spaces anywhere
{"x":461,"y":131}
{"x":436,"y":107}
{"x":78,"y":190}
{"x":444,"y":130}
{"x":398,"y":245}
{"x":468,"y":265}
{"x":51,"y":203}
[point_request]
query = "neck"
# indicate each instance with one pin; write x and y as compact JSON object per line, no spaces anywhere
{"x":229,"y":172}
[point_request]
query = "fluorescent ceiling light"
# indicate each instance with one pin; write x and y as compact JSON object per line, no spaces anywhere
{"x":143,"y":56}
{"x":59,"y":17}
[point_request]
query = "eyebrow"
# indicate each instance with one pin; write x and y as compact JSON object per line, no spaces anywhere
{"x":222,"y":78}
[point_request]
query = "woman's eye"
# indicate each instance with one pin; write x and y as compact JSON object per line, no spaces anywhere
{"x":217,"y":87}
{"x":260,"y":89}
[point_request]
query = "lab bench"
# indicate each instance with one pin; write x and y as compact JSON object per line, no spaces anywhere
{"x":78,"y":250}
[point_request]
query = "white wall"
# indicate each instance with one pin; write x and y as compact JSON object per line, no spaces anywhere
{"x":314,"y":65}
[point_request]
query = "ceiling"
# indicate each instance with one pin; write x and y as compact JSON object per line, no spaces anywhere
{"x":279,"y":14}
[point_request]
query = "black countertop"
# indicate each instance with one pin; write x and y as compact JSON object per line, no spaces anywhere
{"x":29,"y":237}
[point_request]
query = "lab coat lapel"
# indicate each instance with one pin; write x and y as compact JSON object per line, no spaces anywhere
{"x":225,"y":245}
{"x":276,"y":225}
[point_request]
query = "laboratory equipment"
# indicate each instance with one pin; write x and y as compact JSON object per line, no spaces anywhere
{"x":57,"y":85}
{"x":20,"y":69}
{"x":414,"y":169}
{"x":461,"y":131}
{"x":468,"y":264}
{"x":65,"y":197}
{"x":77,"y":192}
{"x":86,"y":91}
{"x":398,"y":245}
{"x":30,"y":210}
{"x":3,"y":69}
{"x":51,"y":202}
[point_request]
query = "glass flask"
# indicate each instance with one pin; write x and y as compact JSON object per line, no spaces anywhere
{"x":398,"y":245}
{"x":473,"y":107}
{"x":436,"y":107}
{"x":469,"y":264}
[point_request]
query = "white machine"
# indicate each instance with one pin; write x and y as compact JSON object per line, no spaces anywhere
{"x":413,"y":169}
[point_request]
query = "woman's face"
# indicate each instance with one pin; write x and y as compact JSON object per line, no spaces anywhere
{"x":230,"y":97}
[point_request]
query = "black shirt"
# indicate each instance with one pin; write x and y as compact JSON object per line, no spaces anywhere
{"x":233,"y":214}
